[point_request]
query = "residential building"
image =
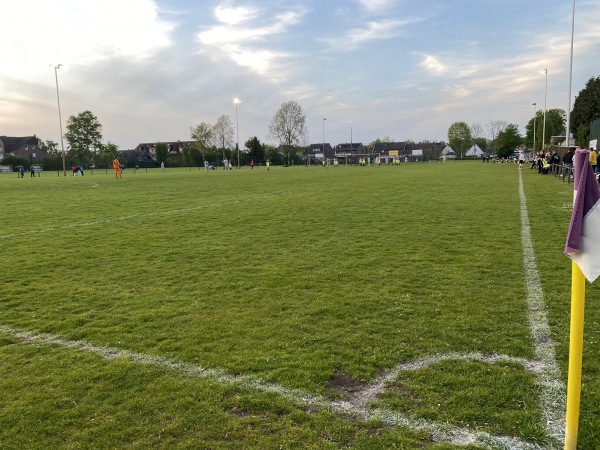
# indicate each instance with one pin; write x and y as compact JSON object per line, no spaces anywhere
{"x":26,"y":147}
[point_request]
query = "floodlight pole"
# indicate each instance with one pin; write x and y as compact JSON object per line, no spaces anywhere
{"x":534,"y":121}
{"x":237,"y":130}
{"x":62,"y":145}
{"x":544,"y":128}
{"x":324,"y":119}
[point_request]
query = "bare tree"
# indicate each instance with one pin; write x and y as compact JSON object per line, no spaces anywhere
{"x":288,"y":126}
{"x":476,"y":130}
{"x":495,"y":127}
{"x":223,"y":133}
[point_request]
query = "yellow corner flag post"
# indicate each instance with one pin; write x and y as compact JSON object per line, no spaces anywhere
{"x":575,"y":356}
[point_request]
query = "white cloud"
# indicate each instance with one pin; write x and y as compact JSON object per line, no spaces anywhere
{"x":234,"y":16}
{"x":433,"y":65}
{"x":383,"y":30}
{"x":374,"y":6}
{"x":235,"y":42}
{"x":78,"y":32}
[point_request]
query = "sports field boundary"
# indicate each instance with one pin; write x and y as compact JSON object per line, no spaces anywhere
{"x":552,"y":392}
{"x":439,"y":431}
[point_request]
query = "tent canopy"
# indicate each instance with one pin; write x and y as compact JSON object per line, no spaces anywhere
{"x":474,"y":151}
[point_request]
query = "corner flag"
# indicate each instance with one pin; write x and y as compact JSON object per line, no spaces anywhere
{"x":584,"y":250}
{"x":582,"y":246}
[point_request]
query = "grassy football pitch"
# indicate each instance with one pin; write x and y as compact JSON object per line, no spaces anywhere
{"x":309,"y":308}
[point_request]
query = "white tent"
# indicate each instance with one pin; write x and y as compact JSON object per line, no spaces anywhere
{"x":474,"y":151}
{"x":448,"y":152}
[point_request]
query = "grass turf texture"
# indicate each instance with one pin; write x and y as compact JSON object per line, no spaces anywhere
{"x":310,"y":278}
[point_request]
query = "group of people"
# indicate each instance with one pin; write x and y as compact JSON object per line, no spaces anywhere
{"x":31,"y":171}
{"x":544,"y":161}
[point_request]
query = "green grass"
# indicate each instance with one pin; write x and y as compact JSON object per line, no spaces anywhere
{"x":300,"y":277}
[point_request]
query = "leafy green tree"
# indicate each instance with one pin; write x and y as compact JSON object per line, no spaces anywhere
{"x":196,"y":158}
{"x":529,"y":128}
{"x":482,"y":142}
{"x":555,"y":125}
{"x":586,"y":109}
{"x":84,"y":136}
{"x":49,"y":146}
{"x":288,"y":126}
{"x":459,"y":136}
{"x":508,"y":140}
{"x":203,"y":135}
{"x":272,"y":154}
{"x":255,"y":150}
{"x":107,"y":155}
{"x":161,"y":152}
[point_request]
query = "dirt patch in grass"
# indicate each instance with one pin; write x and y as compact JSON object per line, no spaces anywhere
{"x":345,"y":385}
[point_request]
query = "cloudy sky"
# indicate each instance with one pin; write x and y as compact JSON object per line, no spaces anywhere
{"x":407,"y":69}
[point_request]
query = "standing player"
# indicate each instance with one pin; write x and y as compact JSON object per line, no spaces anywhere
{"x":117,"y":168}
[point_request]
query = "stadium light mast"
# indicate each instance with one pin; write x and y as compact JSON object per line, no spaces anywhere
{"x":324,"y":119}
{"x":534,"y":121}
{"x":62,"y":145}
{"x":544,"y":128}
{"x":237,"y":130}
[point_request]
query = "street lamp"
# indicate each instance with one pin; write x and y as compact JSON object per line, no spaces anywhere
{"x":62,"y":145}
{"x":237,"y":130}
{"x":534,"y":121}
{"x":544,"y":128}
{"x":324,"y":119}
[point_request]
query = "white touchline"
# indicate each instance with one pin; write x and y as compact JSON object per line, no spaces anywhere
{"x":553,"y":392}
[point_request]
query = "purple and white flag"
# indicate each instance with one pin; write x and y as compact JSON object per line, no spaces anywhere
{"x":583,"y":245}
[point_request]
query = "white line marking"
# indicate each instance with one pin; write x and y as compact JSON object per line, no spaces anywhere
{"x":552,"y":396}
{"x":440,"y":432}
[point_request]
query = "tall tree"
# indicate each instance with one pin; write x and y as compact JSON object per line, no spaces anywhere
{"x":49,"y":146}
{"x":255,"y":150}
{"x":223,"y":133}
{"x":161,"y":152}
{"x":105,"y":156}
{"x":495,"y":127}
{"x":288,"y":126}
{"x":203,"y":135}
{"x":84,"y":136}
{"x":555,"y":125}
{"x":459,"y":136}
{"x":476,"y":130}
{"x":586,"y":109}
{"x":529,"y":129}
{"x":508,"y":140}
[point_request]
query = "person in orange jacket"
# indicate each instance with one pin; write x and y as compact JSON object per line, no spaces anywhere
{"x":117,"y":168}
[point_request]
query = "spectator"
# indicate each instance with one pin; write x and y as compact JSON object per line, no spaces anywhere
{"x":593,"y":159}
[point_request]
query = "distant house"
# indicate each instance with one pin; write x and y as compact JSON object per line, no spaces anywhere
{"x":389,"y":150}
{"x":408,"y":150}
{"x":138,"y":158}
{"x":349,"y":152}
{"x":26,"y":147}
{"x":316,"y":151}
{"x":173,"y":147}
